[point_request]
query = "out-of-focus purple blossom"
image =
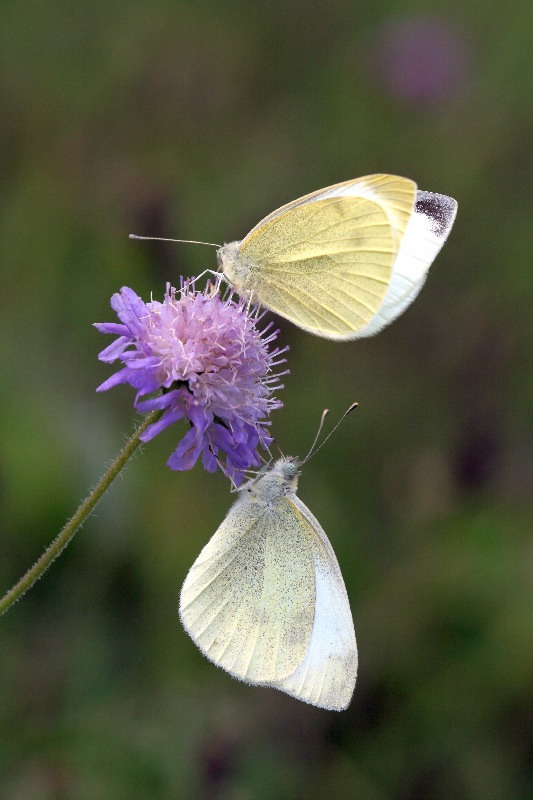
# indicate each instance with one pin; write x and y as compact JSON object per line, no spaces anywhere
{"x":422,"y":58}
{"x":211,"y":362}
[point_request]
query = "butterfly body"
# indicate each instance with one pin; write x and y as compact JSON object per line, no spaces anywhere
{"x":237,"y":270}
{"x":345,"y":261}
{"x":271,"y":485}
{"x":265,"y":599}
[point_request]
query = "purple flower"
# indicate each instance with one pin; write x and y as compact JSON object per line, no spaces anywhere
{"x":212,"y":364}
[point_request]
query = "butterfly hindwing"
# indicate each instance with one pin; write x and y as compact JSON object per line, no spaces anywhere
{"x":248,"y":600}
{"x":324,"y":265}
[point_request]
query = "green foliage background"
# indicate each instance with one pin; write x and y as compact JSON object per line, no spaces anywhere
{"x":195,"y":119}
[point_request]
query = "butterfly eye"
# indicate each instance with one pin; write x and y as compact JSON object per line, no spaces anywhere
{"x":289,"y":471}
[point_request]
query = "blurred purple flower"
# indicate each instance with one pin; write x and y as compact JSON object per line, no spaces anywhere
{"x":422,"y":58}
{"x":212,"y":364}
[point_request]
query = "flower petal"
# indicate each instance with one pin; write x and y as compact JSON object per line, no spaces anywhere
{"x":160,"y":425}
{"x":112,"y":327}
{"x":186,"y":453}
{"x":114,"y":350}
{"x":161,"y":401}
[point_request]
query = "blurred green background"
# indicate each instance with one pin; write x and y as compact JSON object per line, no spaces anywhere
{"x":195,"y":119}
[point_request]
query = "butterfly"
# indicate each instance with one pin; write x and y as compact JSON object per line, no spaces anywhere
{"x":265,"y":599}
{"x":346,"y":260}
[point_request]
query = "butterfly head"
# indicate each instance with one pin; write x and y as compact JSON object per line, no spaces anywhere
{"x":272,"y":483}
{"x":230,"y":262}
{"x":289,"y":471}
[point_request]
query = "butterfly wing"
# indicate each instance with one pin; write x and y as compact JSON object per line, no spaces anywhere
{"x":248,"y":600}
{"x":331,"y":264}
{"x":428,"y":229}
{"x":325,"y":265}
{"x":325,"y":260}
{"x":326,"y":676}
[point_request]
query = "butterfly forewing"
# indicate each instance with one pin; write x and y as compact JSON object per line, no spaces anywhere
{"x":248,"y":600}
{"x":326,"y":677}
{"x":428,"y":229}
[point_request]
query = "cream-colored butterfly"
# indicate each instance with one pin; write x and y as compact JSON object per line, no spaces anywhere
{"x":344,"y":261}
{"x":265,"y":599}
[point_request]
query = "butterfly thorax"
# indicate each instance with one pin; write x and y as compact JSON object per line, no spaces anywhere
{"x":277,"y":482}
{"x":237,"y":270}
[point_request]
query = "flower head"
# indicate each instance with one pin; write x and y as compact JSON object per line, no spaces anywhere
{"x":212,"y":364}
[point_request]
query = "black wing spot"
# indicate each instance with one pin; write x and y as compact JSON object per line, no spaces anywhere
{"x":437,"y":208}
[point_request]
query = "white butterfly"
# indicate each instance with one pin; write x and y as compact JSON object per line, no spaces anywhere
{"x":346,"y":260}
{"x":265,"y":599}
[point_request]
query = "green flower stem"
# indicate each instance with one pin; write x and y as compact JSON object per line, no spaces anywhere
{"x":66,"y":534}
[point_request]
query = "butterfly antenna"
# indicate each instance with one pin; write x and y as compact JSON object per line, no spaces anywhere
{"x":315,"y":440}
{"x":161,"y":239}
{"x":282,"y":454}
{"x":312,"y":451}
